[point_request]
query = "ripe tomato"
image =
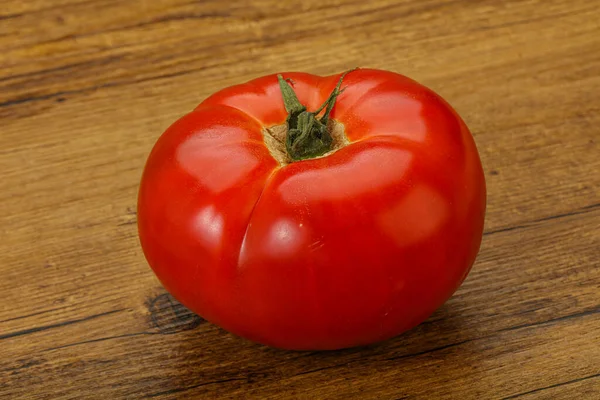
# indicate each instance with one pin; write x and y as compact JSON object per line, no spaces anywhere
{"x":305,"y":230}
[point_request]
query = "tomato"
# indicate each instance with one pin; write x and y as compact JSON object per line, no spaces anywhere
{"x":305,"y":230}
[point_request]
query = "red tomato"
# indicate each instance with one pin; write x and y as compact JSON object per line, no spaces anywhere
{"x":337,"y":250}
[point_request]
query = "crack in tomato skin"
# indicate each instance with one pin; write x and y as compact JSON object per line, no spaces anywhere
{"x":332,"y":252}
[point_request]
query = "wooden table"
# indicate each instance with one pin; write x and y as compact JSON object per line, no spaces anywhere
{"x":87,"y":86}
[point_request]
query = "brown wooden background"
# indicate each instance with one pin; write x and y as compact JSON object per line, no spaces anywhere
{"x":87,"y":86}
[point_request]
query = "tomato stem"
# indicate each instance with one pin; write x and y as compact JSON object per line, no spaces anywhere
{"x":307,"y":135}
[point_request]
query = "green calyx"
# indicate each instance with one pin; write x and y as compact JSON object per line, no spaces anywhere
{"x":307,"y":134}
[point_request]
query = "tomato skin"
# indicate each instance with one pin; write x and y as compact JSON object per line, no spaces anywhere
{"x":344,"y":250}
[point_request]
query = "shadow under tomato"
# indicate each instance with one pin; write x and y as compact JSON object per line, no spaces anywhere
{"x":205,"y":355}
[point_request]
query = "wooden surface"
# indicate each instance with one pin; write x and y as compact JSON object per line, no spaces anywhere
{"x":87,"y":86}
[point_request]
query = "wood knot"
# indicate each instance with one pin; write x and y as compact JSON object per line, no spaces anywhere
{"x":170,"y":316}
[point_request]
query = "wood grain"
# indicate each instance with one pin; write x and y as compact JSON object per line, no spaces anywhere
{"x":87,"y":86}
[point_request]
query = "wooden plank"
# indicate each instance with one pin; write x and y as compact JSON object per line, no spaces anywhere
{"x":107,"y":49}
{"x":585,"y":387}
{"x":491,"y":121}
{"x":525,"y":308}
{"x":86,"y":87}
